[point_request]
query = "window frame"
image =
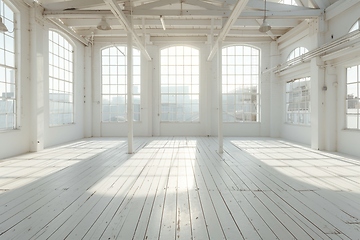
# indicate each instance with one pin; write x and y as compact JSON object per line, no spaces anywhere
{"x":225,"y":86}
{"x":13,"y":83}
{"x":136,"y":104}
{"x":171,"y":89}
{"x":306,"y":114}
{"x":64,"y":80}
{"x":357,"y":113}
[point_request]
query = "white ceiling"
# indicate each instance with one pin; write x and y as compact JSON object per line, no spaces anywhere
{"x":184,"y":19}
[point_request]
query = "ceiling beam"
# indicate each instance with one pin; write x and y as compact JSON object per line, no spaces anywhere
{"x":116,"y":10}
{"x":301,"y":14}
{"x":61,"y":5}
{"x":240,"y":5}
{"x":203,"y":23}
{"x":321,"y":3}
{"x":339,"y":7}
{"x":155,"y":4}
{"x":69,"y":31}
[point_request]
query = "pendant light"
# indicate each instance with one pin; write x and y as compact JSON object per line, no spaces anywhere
{"x":3,"y":28}
{"x":265,"y":26}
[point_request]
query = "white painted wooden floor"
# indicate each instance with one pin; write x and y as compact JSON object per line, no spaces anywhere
{"x":180,"y":188}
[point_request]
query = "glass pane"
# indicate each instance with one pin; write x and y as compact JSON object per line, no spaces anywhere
{"x":352,"y":121}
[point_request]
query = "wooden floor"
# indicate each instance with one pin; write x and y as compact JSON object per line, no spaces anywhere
{"x":180,"y":188}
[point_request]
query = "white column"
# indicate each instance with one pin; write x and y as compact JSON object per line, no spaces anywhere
{"x":317,"y":105}
{"x":276,"y":116}
{"x":88,"y":96}
{"x":331,"y":110}
{"x":37,"y":82}
{"x":130,"y":109}
{"x":220,"y":116}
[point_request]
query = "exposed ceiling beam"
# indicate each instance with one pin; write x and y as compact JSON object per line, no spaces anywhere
{"x":61,"y":5}
{"x":116,"y":10}
{"x":321,"y":3}
{"x":240,"y":5}
{"x":273,"y":6}
{"x":301,"y":14}
{"x":70,"y":31}
{"x":339,"y":7}
{"x":182,"y":23}
{"x":204,"y":5}
{"x":182,"y":32}
{"x":155,"y":4}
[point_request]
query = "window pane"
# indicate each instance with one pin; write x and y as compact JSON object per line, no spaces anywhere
{"x":179,"y":84}
{"x":239,"y":80}
{"x":61,"y":92}
{"x":298,"y":101}
{"x":114,"y":84}
{"x":8,"y":111}
{"x":352,"y":98}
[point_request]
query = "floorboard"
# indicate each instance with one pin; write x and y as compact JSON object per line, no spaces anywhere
{"x":180,"y":188}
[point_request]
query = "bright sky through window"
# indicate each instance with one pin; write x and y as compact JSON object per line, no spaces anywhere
{"x":180,"y":84}
{"x":61,"y":89}
{"x":114,"y":84}
{"x":240,"y":84}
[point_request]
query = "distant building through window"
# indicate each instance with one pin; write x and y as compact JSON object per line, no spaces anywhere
{"x":240,"y":84}
{"x":180,"y":84}
{"x":114,"y":84}
{"x":298,"y":101}
{"x":61,"y":74}
{"x":8,"y":81}
{"x":353,"y":97}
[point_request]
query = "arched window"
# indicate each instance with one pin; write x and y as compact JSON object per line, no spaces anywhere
{"x":180,"y":84}
{"x":8,"y":81}
{"x":356,"y":26}
{"x":297,"y":52}
{"x":61,"y":89}
{"x":114,"y":84}
{"x":240,"y":84}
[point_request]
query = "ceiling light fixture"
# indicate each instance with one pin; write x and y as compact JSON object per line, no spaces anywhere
{"x":162,"y":22}
{"x":265,"y":26}
{"x":103,"y":25}
{"x":3,"y":28}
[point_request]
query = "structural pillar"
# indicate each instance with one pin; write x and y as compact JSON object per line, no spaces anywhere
{"x":130,"y":108}
{"x":220,"y":116}
{"x":317,"y":104}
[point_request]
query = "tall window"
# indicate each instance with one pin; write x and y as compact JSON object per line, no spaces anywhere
{"x":297,"y":52}
{"x":240,"y":84}
{"x":61,"y":89}
{"x":180,"y":84}
{"x":353,"y":98}
{"x":114,"y":84}
{"x":8,"y":96}
{"x":298,"y":101}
